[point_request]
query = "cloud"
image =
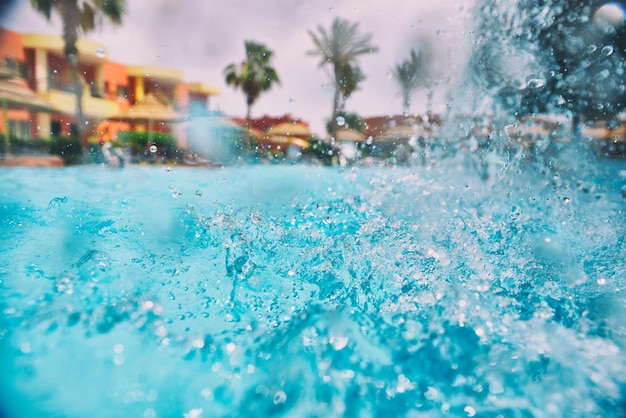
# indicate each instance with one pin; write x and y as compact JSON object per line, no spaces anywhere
{"x":202,"y":37}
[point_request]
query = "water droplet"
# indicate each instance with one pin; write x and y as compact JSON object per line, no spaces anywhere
{"x":341,"y":121}
{"x":199,"y":193}
{"x":280,"y":397}
{"x":535,"y":83}
{"x":206,"y":393}
{"x":607,"y":50}
{"x":56,"y":202}
{"x":193,"y":413}
{"x":175,"y":192}
{"x":338,"y":342}
{"x":153,"y":149}
{"x":431,"y":393}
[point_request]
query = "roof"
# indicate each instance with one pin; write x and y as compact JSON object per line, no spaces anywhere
{"x":16,"y":95}
{"x":150,"y":109}
{"x":402,"y":132}
{"x":376,"y":125}
{"x":203,"y":89}
{"x":265,"y":122}
{"x":290,"y":129}
{"x":160,"y":73}
{"x":87,"y":49}
{"x":345,"y":134}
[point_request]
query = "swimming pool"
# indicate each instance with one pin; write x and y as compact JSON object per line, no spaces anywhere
{"x":310,"y":291}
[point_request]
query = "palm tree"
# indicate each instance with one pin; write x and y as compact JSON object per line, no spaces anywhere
{"x":419,"y":71}
{"x":430,"y":74}
{"x":351,"y":76}
{"x":79,"y":16}
{"x":339,"y":48}
{"x":407,"y":75}
{"x":254,"y":75}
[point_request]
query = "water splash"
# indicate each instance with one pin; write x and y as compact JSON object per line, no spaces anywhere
{"x":321,"y":294}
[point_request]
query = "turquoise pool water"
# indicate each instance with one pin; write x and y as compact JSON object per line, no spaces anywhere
{"x":307,"y":291}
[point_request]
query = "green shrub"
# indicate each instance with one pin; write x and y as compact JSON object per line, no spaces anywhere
{"x":140,"y":142}
{"x":351,"y":121}
{"x":319,"y":150}
{"x":67,"y":148}
{"x":25,"y":146}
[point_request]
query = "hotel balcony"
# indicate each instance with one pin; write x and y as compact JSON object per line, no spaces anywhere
{"x":161,"y":82}
{"x":53,"y":79}
{"x":93,"y":107}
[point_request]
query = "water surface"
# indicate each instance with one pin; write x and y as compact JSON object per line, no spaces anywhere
{"x":308,"y":291}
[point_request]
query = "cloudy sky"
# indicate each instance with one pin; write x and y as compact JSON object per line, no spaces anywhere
{"x":200,"y":37}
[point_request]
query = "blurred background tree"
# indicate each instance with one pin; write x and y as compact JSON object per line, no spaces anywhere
{"x":350,"y":78}
{"x":406,"y":75}
{"x":339,"y":48}
{"x":254,"y":75}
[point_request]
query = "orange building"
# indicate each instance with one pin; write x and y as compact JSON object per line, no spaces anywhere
{"x":109,"y":88}
{"x":13,"y":59}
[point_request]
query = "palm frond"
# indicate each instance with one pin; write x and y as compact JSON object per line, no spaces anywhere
{"x":87,"y":17}
{"x":43,"y":6}
{"x":112,"y":9}
{"x":255,"y":74}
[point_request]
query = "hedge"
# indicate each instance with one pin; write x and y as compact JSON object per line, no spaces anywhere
{"x":140,"y":142}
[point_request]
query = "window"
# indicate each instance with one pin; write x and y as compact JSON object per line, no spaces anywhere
{"x":20,"y":129}
{"x":95,"y":90}
{"x":122,"y":92}
{"x":55,"y":128}
{"x":17,"y":68}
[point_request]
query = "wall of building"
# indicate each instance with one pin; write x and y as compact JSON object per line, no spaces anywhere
{"x":11,"y":46}
{"x":47,"y":72}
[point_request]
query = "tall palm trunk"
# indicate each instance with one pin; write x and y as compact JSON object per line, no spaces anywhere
{"x":429,"y":102}
{"x":336,"y":106}
{"x":71,"y":22}
{"x":78,"y":92}
{"x":248,"y":113}
{"x":248,"y":145}
{"x":406,"y":111}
